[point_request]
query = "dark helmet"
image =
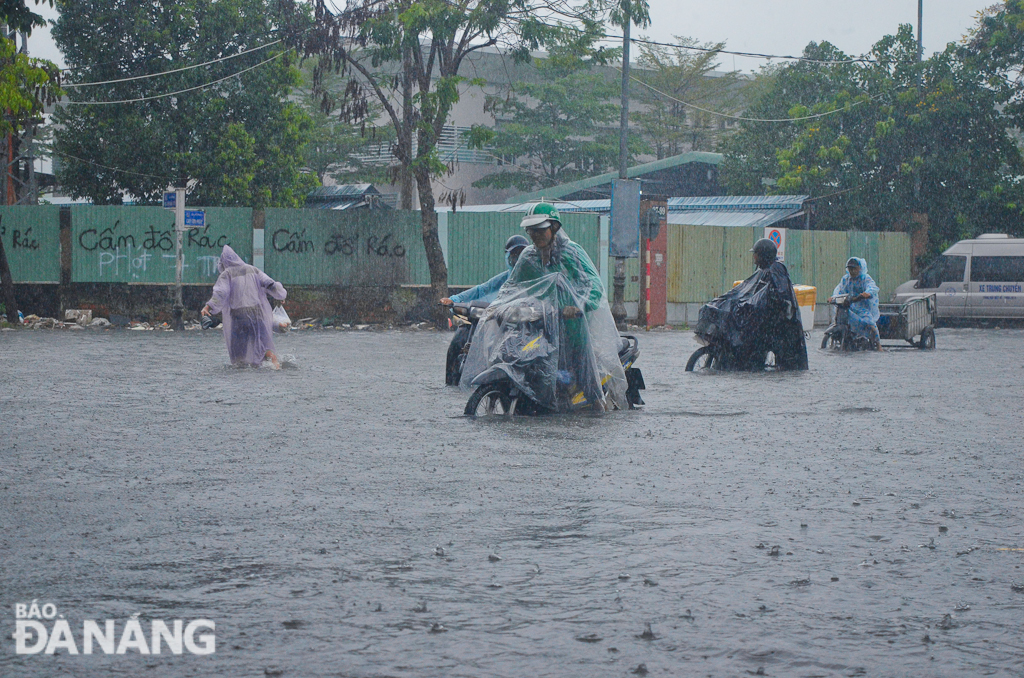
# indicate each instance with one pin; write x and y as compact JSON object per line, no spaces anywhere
{"x":516,"y":241}
{"x":765,"y":252}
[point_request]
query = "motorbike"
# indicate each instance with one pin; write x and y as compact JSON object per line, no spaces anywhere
{"x":716,"y":353}
{"x":527,"y":369}
{"x":465,"y":317}
{"x":839,"y":335}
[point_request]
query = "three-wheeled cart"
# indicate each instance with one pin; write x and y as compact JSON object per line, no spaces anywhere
{"x":914,"y":318}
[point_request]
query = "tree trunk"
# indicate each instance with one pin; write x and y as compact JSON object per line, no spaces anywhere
{"x":405,"y":178}
{"x":432,"y":245}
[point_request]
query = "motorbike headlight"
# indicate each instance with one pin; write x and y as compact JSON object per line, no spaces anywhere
{"x":476,"y":312}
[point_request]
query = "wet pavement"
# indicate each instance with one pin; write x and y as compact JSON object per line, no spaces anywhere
{"x":343,"y":519}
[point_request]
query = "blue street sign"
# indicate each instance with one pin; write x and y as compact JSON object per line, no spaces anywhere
{"x":170,"y":200}
{"x":195,"y":218}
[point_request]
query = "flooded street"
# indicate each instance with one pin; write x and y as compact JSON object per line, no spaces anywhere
{"x":344,"y":519}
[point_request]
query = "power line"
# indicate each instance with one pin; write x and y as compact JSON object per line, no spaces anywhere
{"x":171,"y":94}
{"x":176,"y":70}
{"x":112,"y":169}
{"x":745,"y":119}
{"x":830,"y":62}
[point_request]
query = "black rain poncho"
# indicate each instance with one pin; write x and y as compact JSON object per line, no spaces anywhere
{"x":524,"y":336}
{"x":760,"y":314}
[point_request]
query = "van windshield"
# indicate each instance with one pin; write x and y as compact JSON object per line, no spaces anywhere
{"x":947,"y":268}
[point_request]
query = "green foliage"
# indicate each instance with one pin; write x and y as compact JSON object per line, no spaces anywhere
{"x":18,"y":17}
{"x":238,"y":141}
{"x":905,"y":137}
{"x":669,"y":126}
{"x":26,"y":87}
{"x":558,"y":129}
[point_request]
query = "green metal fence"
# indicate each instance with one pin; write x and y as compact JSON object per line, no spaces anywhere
{"x":364,"y":248}
{"x":31,"y":237}
{"x":136,"y":244}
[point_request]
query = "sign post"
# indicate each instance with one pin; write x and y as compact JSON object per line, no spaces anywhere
{"x":183,"y":219}
{"x":777,"y":236}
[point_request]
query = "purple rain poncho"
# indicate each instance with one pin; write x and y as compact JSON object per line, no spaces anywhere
{"x":240,"y":295}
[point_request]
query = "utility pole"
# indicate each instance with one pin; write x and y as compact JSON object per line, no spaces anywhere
{"x":619,"y":279}
{"x":920,"y":43}
{"x":178,"y":309}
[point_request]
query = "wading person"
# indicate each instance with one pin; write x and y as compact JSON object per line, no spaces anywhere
{"x":240,"y":295}
{"x":863,"y":291}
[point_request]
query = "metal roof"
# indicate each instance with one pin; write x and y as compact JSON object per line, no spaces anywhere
{"x":739,"y":202}
{"x":732,"y":210}
{"x":720,"y":217}
{"x":352,"y":191}
{"x":632,"y":172}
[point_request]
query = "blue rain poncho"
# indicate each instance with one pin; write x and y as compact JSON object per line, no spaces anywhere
{"x":584,"y":350}
{"x":863,"y":313}
{"x":485,"y":291}
{"x":240,"y":295}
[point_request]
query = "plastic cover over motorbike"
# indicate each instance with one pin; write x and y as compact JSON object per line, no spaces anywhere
{"x":539,"y":354}
{"x":240,"y":295}
{"x":759,"y":313}
{"x":863,"y":313}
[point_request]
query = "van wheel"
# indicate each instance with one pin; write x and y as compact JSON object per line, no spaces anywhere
{"x":927,"y":341}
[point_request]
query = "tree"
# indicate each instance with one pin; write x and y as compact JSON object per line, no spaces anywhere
{"x":408,"y":55}
{"x":344,"y":152}
{"x":897,"y":137}
{"x":750,"y":163}
{"x":685,"y":75}
{"x":237,"y":141}
{"x":557,"y":129}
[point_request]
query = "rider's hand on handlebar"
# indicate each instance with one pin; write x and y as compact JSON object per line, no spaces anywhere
{"x":446,"y":301}
{"x":571,"y":312}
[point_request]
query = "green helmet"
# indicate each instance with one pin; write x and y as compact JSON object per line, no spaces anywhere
{"x":539,"y":214}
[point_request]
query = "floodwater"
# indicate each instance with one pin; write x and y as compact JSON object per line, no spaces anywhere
{"x":344,"y":519}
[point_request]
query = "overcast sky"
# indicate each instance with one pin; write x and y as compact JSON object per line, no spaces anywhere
{"x":764,"y":26}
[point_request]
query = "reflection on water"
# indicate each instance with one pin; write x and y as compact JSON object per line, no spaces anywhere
{"x":343,"y":518}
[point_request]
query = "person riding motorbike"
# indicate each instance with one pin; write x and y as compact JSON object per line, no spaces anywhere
{"x":758,"y":316}
{"x":483,"y":294}
{"x":863,"y":293}
{"x":559,"y":272}
{"x":488,"y":290}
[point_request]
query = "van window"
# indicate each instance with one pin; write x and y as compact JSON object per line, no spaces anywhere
{"x":997,"y":269}
{"x":947,"y":268}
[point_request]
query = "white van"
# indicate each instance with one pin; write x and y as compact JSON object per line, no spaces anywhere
{"x":980,"y":278}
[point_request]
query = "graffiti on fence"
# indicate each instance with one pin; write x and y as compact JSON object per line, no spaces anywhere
{"x":126,"y":248}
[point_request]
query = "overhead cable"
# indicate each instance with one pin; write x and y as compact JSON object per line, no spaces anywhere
{"x":176,"y":70}
{"x":829,"y":62}
{"x":112,"y":169}
{"x":743,"y":118}
{"x":171,"y":94}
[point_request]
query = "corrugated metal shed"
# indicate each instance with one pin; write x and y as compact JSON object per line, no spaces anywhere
{"x":752,"y":219}
{"x":350,"y":196}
